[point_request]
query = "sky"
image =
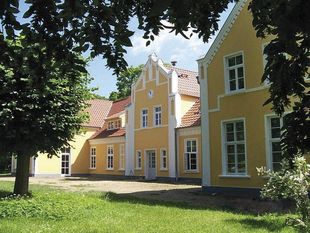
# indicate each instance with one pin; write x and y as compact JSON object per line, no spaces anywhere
{"x":167,"y":47}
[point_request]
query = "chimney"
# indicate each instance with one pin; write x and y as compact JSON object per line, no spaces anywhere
{"x":173,"y":63}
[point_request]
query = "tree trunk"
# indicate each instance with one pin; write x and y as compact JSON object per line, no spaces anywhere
{"x":22,"y":175}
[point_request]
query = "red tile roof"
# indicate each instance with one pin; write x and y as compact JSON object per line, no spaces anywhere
{"x":187,"y":82}
{"x":192,"y":117}
{"x":98,"y":111}
{"x":118,"y":107}
{"x":105,"y":133}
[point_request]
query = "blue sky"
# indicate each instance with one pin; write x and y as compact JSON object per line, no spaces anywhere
{"x":167,"y":46}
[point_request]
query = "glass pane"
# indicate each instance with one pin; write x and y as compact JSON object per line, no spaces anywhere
{"x":231,"y":158}
{"x":230,"y":137}
{"x":194,"y":148}
{"x":231,"y":61}
{"x":276,"y":133}
{"x":241,"y":158}
{"x":240,"y":148}
{"x":240,"y":72}
{"x":230,"y":127}
{"x":232,"y":85}
{"x":276,"y":166}
{"x":241,"y":168}
{"x":231,"y":149}
{"x":276,"y":146}
{"x":231,"y":168}
{"x":239,"y":126}
{"x":276,"y":157}
{"x":275,"y":122}
{"x":241,"y":83}
{"x":232,"y":75}
{"x":239,"y":60}
{"x":240,"y":136}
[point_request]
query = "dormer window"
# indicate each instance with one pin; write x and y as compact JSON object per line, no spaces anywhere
{"x":111,"y":125}
{"x":114,"y":124}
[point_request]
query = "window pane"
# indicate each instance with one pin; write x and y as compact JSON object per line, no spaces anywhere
{"x":232,"y":75}
{"x":275,"y":122}
{"x":240,"y":72}
{"x":229,"y":127}
{"x":276,"y":146}
{"x":231,"y":158}
{"x":232,"y":85}
{"x":230,"y":137}
{"x":231,"y":168}
{"x":231,"y":61}
{"x":239,"y":60}
{"x":239,"y":126}
{"x":276,"y":133}
{"x":240,"y":148}
{"x":276,"y":166}
{"x":241,"y":168}
{"x":194,"y":148}
{"x":276,"y":157}
{"x":241,"y":158}
{"x":240,"y":136}
{"x":241,"y":83}
{"x":230,"y":149}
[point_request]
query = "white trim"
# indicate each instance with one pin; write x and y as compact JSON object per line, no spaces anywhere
{"x":121,"y":157}
{"x":141,"y":118}
{"x":154,"y":116}
{"x":224,"y":154}
{"x":223,"y":32}
{"x":234,"y":176}
{"x":226,"y":74}
{"x":136,"y":160}
{"x":219,"y":97}
{"x":189,"y":131}
{"x":185,"y":152}
{"x":155,"y":127}
{"x":110,"y":155}
{"x":111,"y":140}
{"x":161,"y":159}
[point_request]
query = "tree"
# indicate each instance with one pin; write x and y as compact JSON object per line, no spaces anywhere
{"x":124,"y":81}
{"x":288,"y":66}
{"x":41,"y":109}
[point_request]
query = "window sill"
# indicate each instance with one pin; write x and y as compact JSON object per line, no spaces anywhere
{"x":164,"y":169}
{"x":109,"y":169}
{"x":92,"y":168}
{"x":191,"y":172}
{"x":228,"y":93}
{"x":235,"y":176}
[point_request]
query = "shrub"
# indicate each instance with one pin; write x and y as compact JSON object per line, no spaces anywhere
{"x":293,"y":184}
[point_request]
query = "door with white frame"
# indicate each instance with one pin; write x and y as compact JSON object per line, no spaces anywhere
{"x":150,"y":173}
{"x":65,"y":161}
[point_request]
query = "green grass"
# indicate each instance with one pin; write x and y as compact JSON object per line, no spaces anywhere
{"x":52,"y":210}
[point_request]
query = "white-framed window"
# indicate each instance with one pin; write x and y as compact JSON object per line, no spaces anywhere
{"x":274,"y":125}
{"x":234,"y":148}
{"x":110,"y":125}
{"x":138,"y":159}
{"x":163,"y":159}
{"x":92,"y":159}
{"x":190,"y":155}
{"x":157,"y":115}
{"x":121,"y":156}
{"x":144,"y":118}
{"x":234,"y":72}
{"x":110,"y":157}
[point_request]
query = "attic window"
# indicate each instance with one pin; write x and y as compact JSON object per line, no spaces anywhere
{"x":114,"y":124}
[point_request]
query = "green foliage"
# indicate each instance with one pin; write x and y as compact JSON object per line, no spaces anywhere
{"x":292,"y":184}
{"x":288,"y":66}
{"x":124,"y":81}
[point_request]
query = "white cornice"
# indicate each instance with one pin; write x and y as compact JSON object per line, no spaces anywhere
{"x":223,"y":32}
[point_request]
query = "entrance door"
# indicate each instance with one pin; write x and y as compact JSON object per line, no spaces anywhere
{"x":151,"y":165}
{"x":65,"y":161}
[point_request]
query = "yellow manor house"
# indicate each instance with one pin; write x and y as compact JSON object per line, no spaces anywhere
{"x":209,"y":127}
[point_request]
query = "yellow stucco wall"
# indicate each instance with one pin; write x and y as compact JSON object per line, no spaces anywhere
{"x":181,"y":155}
{"x":247,"y":104}
{"x":152,"y":137}
{"x":101,"y":159}
{"x":186,"y":103}
{"x":79,"y":156}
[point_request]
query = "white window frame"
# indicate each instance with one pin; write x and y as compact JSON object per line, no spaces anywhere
{"x":159,"y":114}
{"x":121,"y":157}
{"x":191,"y":152}
{"x":224,"y":148}
{"x":269,"y":139}
{"x":93,"y":158}
{"x":110,"y":125}
{"x":162,"y":157}
{"x":144,"y":118}
{"x":138,"y":160}
{"x":110,"y":156}
{"x":226,"y":73}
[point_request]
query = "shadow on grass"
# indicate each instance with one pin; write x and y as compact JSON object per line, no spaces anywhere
{"x":254,"y":223}
{"x":197,"y":201}
{"x":4,"y":193}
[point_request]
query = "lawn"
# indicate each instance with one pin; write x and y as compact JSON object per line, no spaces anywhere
{"x":53,"y":210}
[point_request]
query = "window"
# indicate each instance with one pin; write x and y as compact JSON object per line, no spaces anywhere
{"x":111,"y":125}
{"x":92,"y":157}
{"x":163,"y":159}
{"x":138,"y":159}
{"x":234,"y":148}
{"x":144,"y":118}
{"x":274,"y":133}
{"x":234,"y":73}
{"x":122,"y":157}
{"x":157,"y":116}
{"x":191,"y":155}
{"x":110,"y":158}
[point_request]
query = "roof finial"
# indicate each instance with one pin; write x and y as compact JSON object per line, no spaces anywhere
{"x":173,"y":63}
